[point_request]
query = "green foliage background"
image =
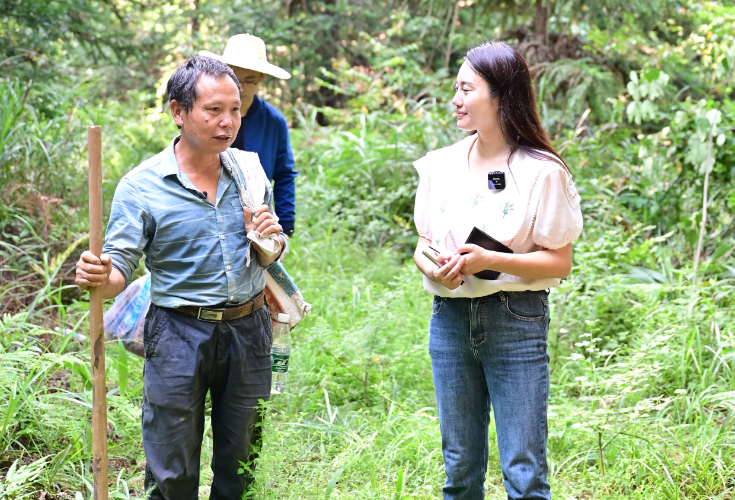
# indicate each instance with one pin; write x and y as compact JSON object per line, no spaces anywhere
{"x":637,"y":96}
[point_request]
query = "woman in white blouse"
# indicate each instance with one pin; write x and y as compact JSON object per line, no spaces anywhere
{"x":488,"y":337}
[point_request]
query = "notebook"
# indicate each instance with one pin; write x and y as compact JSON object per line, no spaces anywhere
{"x":482,"y":239}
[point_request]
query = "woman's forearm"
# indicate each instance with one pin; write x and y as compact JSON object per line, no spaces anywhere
{"x":541,"y":264}
{"x":420,"y":259}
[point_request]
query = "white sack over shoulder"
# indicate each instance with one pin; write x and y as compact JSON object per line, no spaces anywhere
{"x":251,"y":173}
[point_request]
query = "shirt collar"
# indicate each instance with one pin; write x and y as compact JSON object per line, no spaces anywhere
{"x":169,"y":165}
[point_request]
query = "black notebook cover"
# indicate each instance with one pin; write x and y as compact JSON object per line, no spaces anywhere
{"x":482,"y":239}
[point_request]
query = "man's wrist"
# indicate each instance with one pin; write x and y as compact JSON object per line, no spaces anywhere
{"x":284,"y":243}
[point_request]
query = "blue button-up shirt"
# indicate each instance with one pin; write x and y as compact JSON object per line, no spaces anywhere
{"x":195,"y":251}
{"x":264,"y":130}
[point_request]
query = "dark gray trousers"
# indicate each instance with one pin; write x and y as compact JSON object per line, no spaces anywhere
{"x":185,"y":358}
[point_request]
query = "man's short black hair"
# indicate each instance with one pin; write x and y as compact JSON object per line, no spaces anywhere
{"x":182,"y":86}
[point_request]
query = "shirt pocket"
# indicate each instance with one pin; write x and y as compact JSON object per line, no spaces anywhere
{"x":234,"y":212}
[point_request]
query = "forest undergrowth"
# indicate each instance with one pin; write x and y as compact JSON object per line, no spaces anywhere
{"x":641,"y":370}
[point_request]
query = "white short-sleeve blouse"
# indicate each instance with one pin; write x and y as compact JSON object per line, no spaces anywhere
{"x":538,"y":209}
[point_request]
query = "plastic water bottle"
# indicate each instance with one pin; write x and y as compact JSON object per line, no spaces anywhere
{"x":280,"y":352}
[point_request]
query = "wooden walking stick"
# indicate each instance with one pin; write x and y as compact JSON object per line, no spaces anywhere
{"x":96,"y":333}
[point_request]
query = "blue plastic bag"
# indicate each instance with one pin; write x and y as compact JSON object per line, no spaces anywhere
{"x":126,"y":318}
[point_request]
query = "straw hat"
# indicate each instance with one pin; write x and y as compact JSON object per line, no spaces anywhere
{"x":247,"y":51}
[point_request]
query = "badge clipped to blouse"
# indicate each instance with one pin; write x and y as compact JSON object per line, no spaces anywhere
{"x":496,"y":181}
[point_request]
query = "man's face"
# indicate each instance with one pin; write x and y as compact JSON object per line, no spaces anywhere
{"x":214,"y":119}
{"x":249,"y":81}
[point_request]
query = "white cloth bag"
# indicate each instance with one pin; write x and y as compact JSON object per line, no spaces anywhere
{"x":282,"y":294}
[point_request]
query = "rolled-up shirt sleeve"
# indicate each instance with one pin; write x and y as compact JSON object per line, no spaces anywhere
{"x":127,"y":229}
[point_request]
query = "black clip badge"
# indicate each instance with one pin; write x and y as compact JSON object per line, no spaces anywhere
{"x":496,"y":180}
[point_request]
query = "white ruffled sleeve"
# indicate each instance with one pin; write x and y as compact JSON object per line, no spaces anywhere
{"x":559,"y":217}
{"x":421,"y":205}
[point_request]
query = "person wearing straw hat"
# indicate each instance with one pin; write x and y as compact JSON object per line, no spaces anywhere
{"x":263,"y":130}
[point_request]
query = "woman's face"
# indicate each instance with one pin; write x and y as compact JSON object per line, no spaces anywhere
{"x":476,"y":109}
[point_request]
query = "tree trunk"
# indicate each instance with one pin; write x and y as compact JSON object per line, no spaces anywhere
{"x":194,"y":6}
{"x":328,"y":52}
{"x":455,"y":17}
{"x":433,"y":48}
{"x":541,"y":28}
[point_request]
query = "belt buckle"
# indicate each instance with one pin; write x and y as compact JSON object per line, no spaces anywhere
{"x":212,"y":315}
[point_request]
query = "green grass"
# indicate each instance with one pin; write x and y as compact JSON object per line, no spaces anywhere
{"x":644,"y":369}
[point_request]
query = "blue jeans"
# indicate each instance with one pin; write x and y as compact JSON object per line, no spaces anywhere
{"x":491,"y":351}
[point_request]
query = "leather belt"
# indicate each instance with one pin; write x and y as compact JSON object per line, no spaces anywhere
{"x":219,"y":314}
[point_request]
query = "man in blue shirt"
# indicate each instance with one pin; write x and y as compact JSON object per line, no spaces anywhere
{"x":208,"y":329}
{"x":264,"y":130}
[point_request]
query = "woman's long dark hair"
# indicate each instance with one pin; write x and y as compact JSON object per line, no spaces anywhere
{"x":509,"y":79}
